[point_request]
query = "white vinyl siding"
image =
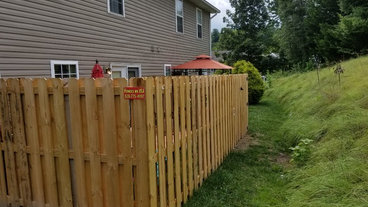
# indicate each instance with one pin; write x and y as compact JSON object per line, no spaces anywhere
{"x":64,"y":69}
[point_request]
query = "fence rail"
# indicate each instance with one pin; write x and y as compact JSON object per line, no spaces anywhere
{"x":81,"y":143}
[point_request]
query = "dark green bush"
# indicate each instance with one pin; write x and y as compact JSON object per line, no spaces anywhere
{"x":256,"y":85}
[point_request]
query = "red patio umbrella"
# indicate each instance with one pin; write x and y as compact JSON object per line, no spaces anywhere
{"x":202,"y":62}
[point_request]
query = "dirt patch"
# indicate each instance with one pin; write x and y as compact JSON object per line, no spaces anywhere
{"x":245,"y":143}
{"x":282,"y":159}
{"x":248,"y":141}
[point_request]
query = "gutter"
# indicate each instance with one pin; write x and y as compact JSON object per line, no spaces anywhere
{"x":210,"y":5}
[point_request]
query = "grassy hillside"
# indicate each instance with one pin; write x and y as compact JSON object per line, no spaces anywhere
{"x":335,"y":117}
{"x":326,"y":123}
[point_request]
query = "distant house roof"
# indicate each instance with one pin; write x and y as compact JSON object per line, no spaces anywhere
{"x":202,"y":62}
{"x":203,"y":4}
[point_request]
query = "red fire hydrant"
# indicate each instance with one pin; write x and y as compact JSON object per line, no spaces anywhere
{"x":97,"y":71}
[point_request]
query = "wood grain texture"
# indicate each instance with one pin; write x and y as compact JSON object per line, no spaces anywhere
{"x":61,"y":144}
{"x":169,"y":141}
{"x":7,"y":129}
{"x":124,"y":145}
{"x":177,"y":142}
{"x":47,"y":140}
{"x":33,"y":141}
{"x":92,"y":131}
{"x":22,"y":166}
{"x":77,"y":142}
{"x":161,"y":141}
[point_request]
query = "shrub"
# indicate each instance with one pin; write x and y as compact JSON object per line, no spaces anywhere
{"x":256,"y":86}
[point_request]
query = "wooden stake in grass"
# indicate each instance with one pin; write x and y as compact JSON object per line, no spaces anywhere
{"x":338,"y":71}
{"x":318,"y":67}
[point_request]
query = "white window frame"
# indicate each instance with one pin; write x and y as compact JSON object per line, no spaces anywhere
{"x":63,"y":62}
{"x":124,"y":74}
{"x":139,"y":66}
{"x":197,"y":23}
{"x":166,"y":65}
{"x":110,"y":12}
{"x":176,"y":17}
{"x":125,"y":66}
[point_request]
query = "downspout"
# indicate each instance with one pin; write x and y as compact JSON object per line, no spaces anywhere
{"x":211,"y":34}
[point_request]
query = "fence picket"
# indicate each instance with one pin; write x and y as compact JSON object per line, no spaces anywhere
{"x":110,"y":143}
{"x":169,"y":141}
{"x":161,"y":141}
{"x":183,"y":137}
{"x":45,"y":126}
{"x":177,"y":142}
{"x":189,"y":135}
{"x":211,"y":127}
{"x":33,"y":141}
{"x":20,"y":142}
{"x":61,"y":144}
{"x":92,"y":131}
{"x":6,"y":128}
{"x":124,"y":145}
{"x":200,"y":130}
{"x":207,"y":118}
{"x":77,"y":142}
{"x":204,"y":127}
{"x":194,"y":131}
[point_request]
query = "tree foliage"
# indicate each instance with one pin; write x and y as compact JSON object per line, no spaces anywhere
{"x":250,"y":33}
{"x":274,"y":34}
{"x":215,"y":36}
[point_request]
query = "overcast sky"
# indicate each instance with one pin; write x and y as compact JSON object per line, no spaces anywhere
{"x":222,"y":5}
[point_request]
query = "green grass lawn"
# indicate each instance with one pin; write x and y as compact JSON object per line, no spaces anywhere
{"x":251,"y":177}
{"x":332,"y":170}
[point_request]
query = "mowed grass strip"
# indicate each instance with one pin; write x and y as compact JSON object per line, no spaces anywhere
{"x":250,"y":177}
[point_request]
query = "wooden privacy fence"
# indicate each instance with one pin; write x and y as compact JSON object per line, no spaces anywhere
{"x":80,"y":143}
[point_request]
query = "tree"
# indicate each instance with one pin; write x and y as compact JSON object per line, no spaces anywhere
{"x":250,"y":36}
{"x":307,"y":33}
{"x":292,"y":36}
{"x":215,"y":35}
{"x":353,"y":27}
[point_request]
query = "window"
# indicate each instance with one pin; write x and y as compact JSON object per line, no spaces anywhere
{"x":116,"y":7}
{"x":199,"y":23}
{"x":179,"y":16}
{"x":121,"y":70}
{"x":167,"y":70}
{"x":64,"y":69}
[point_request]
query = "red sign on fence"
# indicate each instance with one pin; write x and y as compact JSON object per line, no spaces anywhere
{"x":134,"y":93}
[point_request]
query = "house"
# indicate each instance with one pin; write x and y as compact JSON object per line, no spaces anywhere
{"x":62,"y":39}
